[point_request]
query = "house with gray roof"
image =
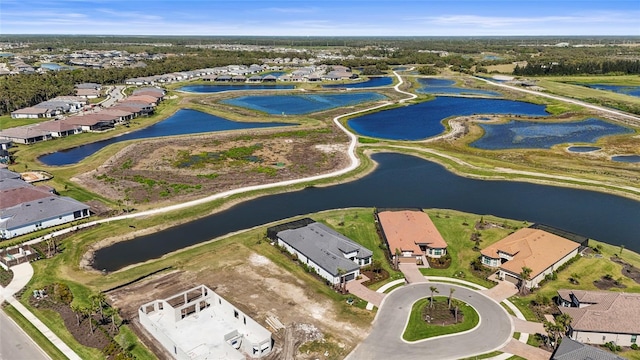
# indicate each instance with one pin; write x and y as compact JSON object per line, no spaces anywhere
{"x":573,"y":350}
{"x":8,"y":174}
{"x":25,"y":135}
{"x":40,"y":214}
{"x":330,"y":254}
{"x":599,"y":317}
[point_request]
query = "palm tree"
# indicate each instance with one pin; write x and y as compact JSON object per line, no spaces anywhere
{"x":97,"y":302}
{"x":396,"y":259}
{"x":564,"y":322}
{"x":87,"y":312}
{"x":77,"y":310}
{"x":112,"y":312}
{"x":341,"y":273}
{"x":525,"y":276}
{"x":433,"y":290}
{"x":451,"y":291}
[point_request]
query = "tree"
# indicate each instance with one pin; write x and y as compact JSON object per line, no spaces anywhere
{"x":98,"y":301}
{"x":525,"y":276}
{"x":455,"y":312}
{"x":621,"y":248}
{"x":564,"y":322}
{"x":451,"y":291}
{"x":112,"y":312}
{"x":396,"y":259}
{"x":77,"y":310}
{"x":87,"y":312}
{"x":341,"y":273}
{"x":433,"y":290}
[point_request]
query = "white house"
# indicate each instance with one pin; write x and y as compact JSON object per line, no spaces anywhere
{"x":198,"y":324}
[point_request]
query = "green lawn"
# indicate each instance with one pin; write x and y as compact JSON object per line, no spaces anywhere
{"x":418,"y":329}
{"x":451,"y":225}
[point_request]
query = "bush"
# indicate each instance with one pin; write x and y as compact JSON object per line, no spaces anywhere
{"x":635,"y":347}
{"x":62,"y":293}
{"x":612,"y":346}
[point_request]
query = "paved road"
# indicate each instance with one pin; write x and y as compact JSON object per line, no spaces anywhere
{"x":15,"y":344}
{"x":385,"y":342}
{"x":115,"y":95}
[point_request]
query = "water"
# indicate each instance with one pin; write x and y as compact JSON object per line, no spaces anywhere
{"x":539,"y":135}
{"x":404,"y":181}
{"x":372,"y":82}
{"x":220,"y":88}
{"x":491,"y":57}
{"x":181,"y":123}
{"x":446,"y":86}
{"x":583,"y":149}
{"x":55,"y":67}
{"x":633,"y":90}
{"x":626,"y":158}
{"x":301,"y":104}
{"x":424,"y":120}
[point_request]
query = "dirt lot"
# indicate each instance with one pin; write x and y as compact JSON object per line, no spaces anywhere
{"x":180,"y":169}
{"x":260,"y":288}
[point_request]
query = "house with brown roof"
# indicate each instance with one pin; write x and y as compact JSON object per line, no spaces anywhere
{"x":19,"y":195}
{"x":147,"y":99}
{"x":412,"y":233}
{"x":25,"y":135}
{"x":59,"y":128}
{"x":538,"y":250}
{"x":92,"y":122}
{"x":32,"y":112}
{"x":599,"y":317}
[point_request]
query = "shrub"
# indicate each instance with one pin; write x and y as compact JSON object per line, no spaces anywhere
{"x":635,"y":347}
{"x":62,"y":293}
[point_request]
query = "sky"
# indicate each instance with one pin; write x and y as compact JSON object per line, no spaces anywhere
{"x":322,"y":17}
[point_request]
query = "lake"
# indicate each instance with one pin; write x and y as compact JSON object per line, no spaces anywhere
{"x":583,"y":149}
{"x":301,"y":104}
{"x":372,"y":82}
{"x":424,"y":120}
{"x":447,"y":87}
{"x":539,"y":135}
{"x":626,"y":158}
{"x":183,"y":122}
{"x":633,"y":90}
{"x":403,"y":181}
{"x":205,"y":89}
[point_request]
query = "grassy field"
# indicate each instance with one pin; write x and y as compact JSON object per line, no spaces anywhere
{"x":594,"y":79}
{"x":418,"y":329}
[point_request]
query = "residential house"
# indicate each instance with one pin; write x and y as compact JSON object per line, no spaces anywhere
{"x":143,"y":107}
{"x":88,"y":93}
{"x":599,"y":317}
{"x":146,"y":99}
{"x":122,"y":115}
{"x":32,"y":113}
{"x":198,"y":324}
{"x":570,"y":349}
{"x":538,"y":250}
{"x":40,"y":214}
{"x":411,"y":233}
{"x":19,"y":195}
{"x":92,"y":86}
{"x":25,"y":135}
{"x":6,"y":174}
{"x":58,"y":128}
{"x":92,"y":122}
{"x":330,"y":254}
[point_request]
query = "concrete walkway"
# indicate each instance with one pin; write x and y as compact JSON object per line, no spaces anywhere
{"x":356,"y":288}
{"x":502,"y":291}
{"x":526,"y":351}
{"x":412,"y":273}
{"x":21,"y":275}
{"x":529,"y":327}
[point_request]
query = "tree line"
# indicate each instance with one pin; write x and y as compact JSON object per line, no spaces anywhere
{"x":626,"y":67}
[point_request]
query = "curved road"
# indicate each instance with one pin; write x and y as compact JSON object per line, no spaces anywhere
{"x":385,"y":339}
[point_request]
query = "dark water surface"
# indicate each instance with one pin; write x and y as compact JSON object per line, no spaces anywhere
{"x":183,"y":122}
{"x":404,"y":181}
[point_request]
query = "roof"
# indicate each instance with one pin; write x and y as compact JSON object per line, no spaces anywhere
{"x":43,"y":209}
{"x":31,"y":111}
{"x":11,"y":183}
{"x":532,"y":248}
{"x":325,"y":247}
{"x":570,"y":349}
{"x":407,"y":229}
{"x":55,"y":126}
{"x":88,"y":86}
{"x":611,"y":312}
{"x":19,"y":195}
{"x":117,"y":112}
{"x":90,"y":119}
{"x":87,"y":92}
{"x":8,"y":174}
{"x":143,"y":98}
{"x":23,"y":133}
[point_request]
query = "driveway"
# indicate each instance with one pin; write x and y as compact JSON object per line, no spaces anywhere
{"x":385,"y":342}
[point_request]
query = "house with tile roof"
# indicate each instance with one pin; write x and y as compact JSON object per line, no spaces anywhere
{"x":330,"y":254}
{"x":599,"y":317}
{"x":412,"y":233}
{"x":538,"y":250}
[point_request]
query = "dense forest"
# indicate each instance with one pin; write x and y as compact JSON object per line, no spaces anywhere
{"x":618,"y":67}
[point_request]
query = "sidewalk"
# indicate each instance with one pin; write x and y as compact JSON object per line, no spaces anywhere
{"x":21,"y":275}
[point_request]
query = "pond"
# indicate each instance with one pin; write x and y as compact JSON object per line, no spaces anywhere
{"x":626,"y":158}
{"x":206,"y":89}
{"x":301,"y":104}
{"x":183,"y":122}
{"x":446,"y":86}
{"x":540,"y":135}
{"x":55,"y":67}
{"x":424,"y":120}
{"x":583,"y":149}
{"x":633,"y":90}
{"x":401,"y":181}
{"x":372,"y":82}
